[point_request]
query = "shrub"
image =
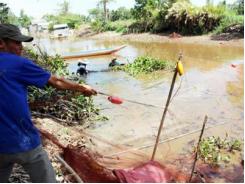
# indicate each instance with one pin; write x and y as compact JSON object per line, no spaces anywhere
{"x":118,"y":26}
{"x":184,"y":18}
{"x":229,"y":20}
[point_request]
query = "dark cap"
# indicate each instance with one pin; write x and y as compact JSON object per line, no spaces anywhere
{"x":12,"y":32}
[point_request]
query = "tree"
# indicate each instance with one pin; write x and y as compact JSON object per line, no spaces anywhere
{"x":120,"y":14}
{"x":64,"y":8}
{"x":96,"y":14}
{"x":106,"y":10}
{"x":24,"y":20}
{"x":240,"y":7}
{"x":4,"y":11}
{"x":209,"y":2}
{"x":65,"y":17}
{"x":146,"y":11}
{"x":49,"y":17}
{"x":12,"y":19}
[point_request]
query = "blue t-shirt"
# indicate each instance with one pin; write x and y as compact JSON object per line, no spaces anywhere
{"x":17,"y":132}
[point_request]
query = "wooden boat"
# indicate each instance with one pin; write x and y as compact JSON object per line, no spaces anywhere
{"x":93,"y":53}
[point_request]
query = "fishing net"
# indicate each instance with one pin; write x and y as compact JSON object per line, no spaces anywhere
{"x":83,"y":162}
{"x":150,"y":172}
{"x":88,"y":167}
{"x":85,"y":165}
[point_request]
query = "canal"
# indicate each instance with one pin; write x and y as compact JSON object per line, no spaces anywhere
{"x":212,"y":85}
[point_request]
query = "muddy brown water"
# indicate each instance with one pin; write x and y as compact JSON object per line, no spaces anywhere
{"x":212,"y":85}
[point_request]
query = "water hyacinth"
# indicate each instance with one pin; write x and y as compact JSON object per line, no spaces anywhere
{"x":145,"y":65}
{"x":214,"y":150}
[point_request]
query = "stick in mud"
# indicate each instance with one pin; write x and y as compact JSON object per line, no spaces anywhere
{"x":198,"y":144}
{"x":79,"y":180}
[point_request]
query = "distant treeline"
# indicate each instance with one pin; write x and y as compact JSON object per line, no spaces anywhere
{"x":181,"y":16}
{"x":156,"y":16}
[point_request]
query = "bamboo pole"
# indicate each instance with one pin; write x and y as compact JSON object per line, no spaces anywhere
{"x":198,"y":144}
{"x":164,"y":112}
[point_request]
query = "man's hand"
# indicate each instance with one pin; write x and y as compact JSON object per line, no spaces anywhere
{"x":88,"y":91}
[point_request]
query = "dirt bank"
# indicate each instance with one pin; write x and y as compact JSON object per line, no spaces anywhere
{"x":164,"y":38}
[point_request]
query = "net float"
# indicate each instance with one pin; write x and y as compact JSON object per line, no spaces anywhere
{"x":180,"y":68}
{"x":115,"y":100}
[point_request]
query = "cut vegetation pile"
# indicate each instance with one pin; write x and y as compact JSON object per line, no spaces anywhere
{"x":65,"y":105}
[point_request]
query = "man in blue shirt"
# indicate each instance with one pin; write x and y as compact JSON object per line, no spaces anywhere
{"x":19,"y":139}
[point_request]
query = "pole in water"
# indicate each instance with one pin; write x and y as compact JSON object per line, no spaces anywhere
{"x":166,"y":108}
{"x":198,"y":144}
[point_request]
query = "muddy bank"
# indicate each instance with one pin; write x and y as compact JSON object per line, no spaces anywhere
{"x":165,"y":38}
{"x":76,"y":136}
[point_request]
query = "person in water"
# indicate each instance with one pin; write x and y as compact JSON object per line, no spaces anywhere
{"x":113,"y":63}
{"x":82,"y":68}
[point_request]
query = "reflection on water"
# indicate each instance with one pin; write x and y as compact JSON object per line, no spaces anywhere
{"x":235,"y":88}
{"x":209,"y":86}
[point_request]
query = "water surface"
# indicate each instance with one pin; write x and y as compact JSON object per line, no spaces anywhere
{"x":212,"y":85}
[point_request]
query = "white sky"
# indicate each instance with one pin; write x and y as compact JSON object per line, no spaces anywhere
{"x":37,"y":8}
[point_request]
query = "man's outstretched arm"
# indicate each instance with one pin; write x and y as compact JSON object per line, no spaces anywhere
{"x":63,"y":84}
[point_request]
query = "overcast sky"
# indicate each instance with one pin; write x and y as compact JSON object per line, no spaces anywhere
{"x":37,"y":8}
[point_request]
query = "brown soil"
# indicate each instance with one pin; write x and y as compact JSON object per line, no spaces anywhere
{"x":66,"y":135}
{"x":73,"y":135}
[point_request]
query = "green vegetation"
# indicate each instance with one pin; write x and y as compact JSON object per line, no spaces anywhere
{"x":65,"y":17}
{"x":121,"y":14}
{"x":214,"y":150}
{"x":66,"y":105}
{"x":238,"y":7}
{"x":184,"y":18}
{"x":119,"y":21}
{"x":6,"y":16}
{"x":104,"y":3}
{"x":178,"y":16}
{"x":72,"y":20}
{"x":229,"y":20}
{"x":169,"y":16}
{"x":121,"y":26}
{"x":101,"y":19}
{"x":154,"y":16}
{"x":4,"y":10}
{"x":54,"y":64}
{"x":24,"y":20}
{"x":145,"y":13}
{"x":144,"y":65}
